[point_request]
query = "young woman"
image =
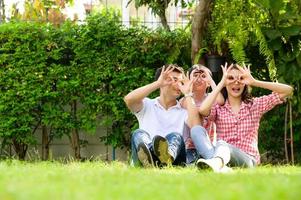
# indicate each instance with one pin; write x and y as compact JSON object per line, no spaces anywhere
{"x":237,"y":121}
{"x":202,"y":82}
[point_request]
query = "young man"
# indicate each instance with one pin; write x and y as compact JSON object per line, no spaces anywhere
{"x":161,"y":121}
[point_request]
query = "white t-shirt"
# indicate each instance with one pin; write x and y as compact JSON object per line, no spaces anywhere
{"x":156,"y":120}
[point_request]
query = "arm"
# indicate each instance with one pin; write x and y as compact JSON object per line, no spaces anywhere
{"x":193,"y":116}
{"x":205,"y":107}
{"x":220,"y":99}
{"x":134,"y":99}
{"x":282,"y":89}
{"x":216,"y":91}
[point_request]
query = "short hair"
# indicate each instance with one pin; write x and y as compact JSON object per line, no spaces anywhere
{"x":195,"y":66}
{"x":176,"y":69}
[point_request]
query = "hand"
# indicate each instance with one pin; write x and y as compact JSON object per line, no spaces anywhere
{"x":207,"y":78}
{"x":225,"y":69}
{"x":246,"y":76}
{"x":186,"y":84}
{"x":165,"y":78}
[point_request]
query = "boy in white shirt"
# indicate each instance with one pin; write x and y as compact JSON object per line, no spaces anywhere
{"x":161,"y":121}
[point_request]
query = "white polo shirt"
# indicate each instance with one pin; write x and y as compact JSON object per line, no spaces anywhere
{"x":156,"y":120}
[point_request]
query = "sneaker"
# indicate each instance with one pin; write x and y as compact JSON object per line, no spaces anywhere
{"x":213,"y":164}
{"x":160,"y":145}
{"x":145,"y":156}
{"x":225,"y":169}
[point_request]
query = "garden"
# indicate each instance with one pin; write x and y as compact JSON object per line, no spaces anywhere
{"x":67,"y":77}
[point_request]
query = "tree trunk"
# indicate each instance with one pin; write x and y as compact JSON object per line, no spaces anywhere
{"x":45,"y":143}
{"x":164,"y":20}
{"x":20,"y":148}
{"x":199,"y":23}
{"x":75,"y":136}
{"x":2,"y":11}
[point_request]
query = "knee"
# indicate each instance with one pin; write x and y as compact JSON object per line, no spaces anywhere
{"x":136,"y":135}
{"x":196,"y":131}
{"x":175,"y":135}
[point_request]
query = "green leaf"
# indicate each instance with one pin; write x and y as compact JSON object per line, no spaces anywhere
{"x":272,"y":34}
{"x":275,"y":44}
{"x":291,"y":30}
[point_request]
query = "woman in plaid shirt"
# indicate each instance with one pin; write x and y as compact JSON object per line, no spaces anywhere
{"x":237,"y":121}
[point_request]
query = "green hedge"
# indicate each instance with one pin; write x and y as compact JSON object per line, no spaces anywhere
{"x":47,"y":72}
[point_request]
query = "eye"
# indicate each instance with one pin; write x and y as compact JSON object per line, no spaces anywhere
{"x":231,"y":78}
{"x":241,"y":78}
{"x":203,"y":75}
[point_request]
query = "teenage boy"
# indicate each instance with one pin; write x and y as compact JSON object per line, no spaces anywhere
{"x":158,"y":141}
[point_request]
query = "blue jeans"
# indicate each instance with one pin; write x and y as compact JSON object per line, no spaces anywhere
{"x":229,"y":153}
{"x":176,"y":147}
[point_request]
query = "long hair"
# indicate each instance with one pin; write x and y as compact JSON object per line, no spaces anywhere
{"x":246,"y":96}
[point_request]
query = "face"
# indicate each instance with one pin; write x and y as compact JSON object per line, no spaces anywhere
{"x":173,"y":89}
{"x":234,"y":84}
{"x":201,"y":79}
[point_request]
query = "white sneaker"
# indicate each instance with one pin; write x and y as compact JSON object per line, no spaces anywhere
{"x":214,"y":164}
{"x":225,"y":169}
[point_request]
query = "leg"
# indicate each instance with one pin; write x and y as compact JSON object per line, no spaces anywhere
{"x":191,"y":156}
{"x":240,"y":158}
{"x":202,"y":142}
{"x":176,"y":148}
{"x":140,"y":152}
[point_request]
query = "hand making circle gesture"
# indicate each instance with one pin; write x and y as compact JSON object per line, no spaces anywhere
{"x":246,"y":76}
{"x":225,"y":69}
{"x":165,"y":77}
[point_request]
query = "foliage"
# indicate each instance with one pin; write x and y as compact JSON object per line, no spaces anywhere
{"x":23,"y":60}
{"x":124,"y":57}
{"x":42,"y":11}
{"x":235,"y":25}
{"x":158,"y":7}
{"x":74,"y":77}
{"x":263,"y":33}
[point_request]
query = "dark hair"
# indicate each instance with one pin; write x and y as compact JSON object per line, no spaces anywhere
{"x":176,"y":69}
{"x":246,"y":96}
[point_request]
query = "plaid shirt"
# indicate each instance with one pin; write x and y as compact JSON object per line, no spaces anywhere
{"x":241,"y":130}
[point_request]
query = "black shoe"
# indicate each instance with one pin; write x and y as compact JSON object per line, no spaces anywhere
{"x":160,"y":146}
{"x":145,"y":156}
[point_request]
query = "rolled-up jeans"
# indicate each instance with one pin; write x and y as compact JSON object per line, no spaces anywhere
{"x":229,"y":153}
{"x":176,"y":147}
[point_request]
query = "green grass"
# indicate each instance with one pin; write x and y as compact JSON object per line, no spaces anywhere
{"x":97,"y":180}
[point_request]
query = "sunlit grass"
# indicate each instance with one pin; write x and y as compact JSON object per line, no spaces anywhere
{"x":98,"y":180}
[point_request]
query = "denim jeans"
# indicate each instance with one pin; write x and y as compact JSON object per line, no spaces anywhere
{"x":229,"y":153}
{"x":191,"y":156}
{"x":240,"y":158}
{"x":176,"y":147}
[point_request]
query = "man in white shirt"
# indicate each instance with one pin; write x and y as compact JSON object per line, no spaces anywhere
{"x":158,"y":141}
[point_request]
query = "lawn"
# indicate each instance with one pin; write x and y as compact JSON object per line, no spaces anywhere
{"x":98,"y":180}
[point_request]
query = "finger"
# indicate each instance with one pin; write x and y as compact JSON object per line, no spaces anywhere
{"x":187,"y":75}
{"x":162,"y":70}
{"x":170,"y":69}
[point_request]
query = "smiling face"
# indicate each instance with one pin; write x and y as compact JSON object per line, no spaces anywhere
{"x":199,"y":74}
{"x":173,"y":90}
{"x":234,"y":84}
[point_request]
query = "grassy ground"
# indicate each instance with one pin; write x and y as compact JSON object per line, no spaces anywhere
{"x":47,"y":180}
